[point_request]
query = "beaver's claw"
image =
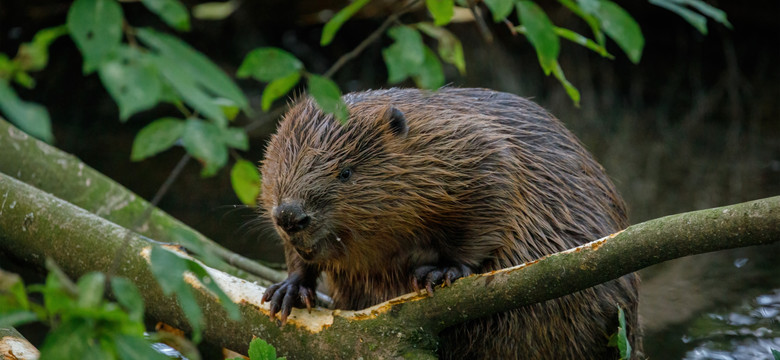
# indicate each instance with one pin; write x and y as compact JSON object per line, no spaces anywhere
{"x":291,"y":292}
{"x":430,"y":276}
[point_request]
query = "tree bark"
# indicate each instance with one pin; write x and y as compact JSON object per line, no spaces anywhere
{"x":34,"y":225}
{"x":52,"y":170}
{"x":13,"y":346}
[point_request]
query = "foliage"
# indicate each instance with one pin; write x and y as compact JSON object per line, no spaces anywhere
{"x":161,"y":68}
{"x":170,"y":270}
{"x":261,"y":350}
{"x":33,"y":56}
{"x":83,"y":324}
{"x":246,"y":181}
{"x":620,"y":339}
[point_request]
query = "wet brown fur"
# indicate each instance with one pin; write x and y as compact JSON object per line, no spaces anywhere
{"x":482,"y":178}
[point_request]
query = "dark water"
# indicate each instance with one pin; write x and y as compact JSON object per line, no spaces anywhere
{"x":750,"y":331}
{"x":723,"y":305}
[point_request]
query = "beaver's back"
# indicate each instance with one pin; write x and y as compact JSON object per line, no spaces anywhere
{"x":534,"y":170}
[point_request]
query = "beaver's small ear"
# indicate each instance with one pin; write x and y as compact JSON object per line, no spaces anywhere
{"x":397,"y":121}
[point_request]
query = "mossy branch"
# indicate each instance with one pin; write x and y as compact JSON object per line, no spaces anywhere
{"x":52,"y":170}
{"x":34,"y":225}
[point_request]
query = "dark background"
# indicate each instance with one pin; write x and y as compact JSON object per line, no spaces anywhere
{"x":694,"y":125}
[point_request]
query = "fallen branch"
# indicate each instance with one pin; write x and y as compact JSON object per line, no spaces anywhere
{"x":52,"y":170}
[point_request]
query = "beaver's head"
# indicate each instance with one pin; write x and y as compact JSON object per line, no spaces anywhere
{"x":338,"y":190}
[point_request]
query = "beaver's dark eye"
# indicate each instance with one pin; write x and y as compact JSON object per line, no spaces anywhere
{"x":345,"y":174}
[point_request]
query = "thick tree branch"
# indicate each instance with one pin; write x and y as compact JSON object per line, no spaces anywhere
{"x":639,"y":246}
{"x":50,"y":169}
{"x":13,"y":346}
{"x":40,"y":225}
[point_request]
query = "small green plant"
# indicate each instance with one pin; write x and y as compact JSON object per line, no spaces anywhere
{"x":83,"y":324}
{"x":620,"y":339}
{"x":261,"y":350}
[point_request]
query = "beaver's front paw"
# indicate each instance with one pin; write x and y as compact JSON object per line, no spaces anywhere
{"x":293,"y":291}
{"x":428,"y":276}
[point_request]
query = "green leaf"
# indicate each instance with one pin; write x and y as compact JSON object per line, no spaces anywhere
{"x":168,"y":268}
{"x":16,"y":318}
{"x":540,"y":32}
{"x":776,"y":354}
{"x":581,"y":40}
{"x":73,"y":339}
{"x":396,"y":70}
{"x":55,"y":298}
{"x":193,"y":244}
{"x":195,"y":65}
{"x":92,"y":287}
{"x":500,"y":8}
{"x":698,"y":21}
{"x":278,"y":88}
{"x":442,"y":11}
{"x":621,"y":27}
{"x":172,"y":12}
{"x":450,"y":47}
{"x":709,"y":10}
{"x":594,"y":24}
{"x":30,"y":117}
{"x":96,"y":28}
{"x":190,"y":91}
{"x":267,"y":64}
{"x":572,"y":91}
{"x":34,"y":56}
{"x":612,"y":342}
{"x":132,"y":81}
{"x":235,"y":137}
{"x":7,"y":66}
{"x":246,"y":182}
{"x":229,"y":108}
{"x":589,"y":6}
{"x":12,"y":292}
{"x":136,"y":348}
{"x":24,"y":79}
{"x":406,"y":55}
{"x":622,"y":342}
{"x":156,"y":137}
{"x":192,"y":310}
{"x":430,"y":75}
{"x":261,"y":350}
{"x":328,"y":96}
{"x":214,"y":10}
{"x":206,"y":281}
{"x":204,"y":142}
{"x":168,"y":94}
{"x":334,"y":24}
{"x":129,"y":297}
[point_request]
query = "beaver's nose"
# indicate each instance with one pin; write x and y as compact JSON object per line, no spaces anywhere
{"x":291,"y":217}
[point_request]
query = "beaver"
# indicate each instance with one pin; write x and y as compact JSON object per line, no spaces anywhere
{"x":420,"y":188}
